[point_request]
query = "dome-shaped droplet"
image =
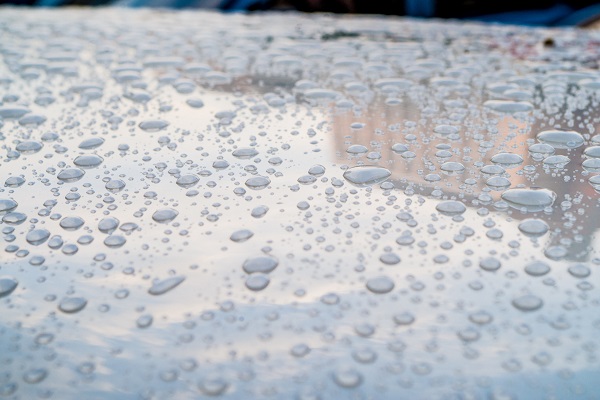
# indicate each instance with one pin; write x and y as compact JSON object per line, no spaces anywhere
{"x":245,"y":152}
{"x":72,"y":305}
{"x":241,"y":236}
{"x":71,"y":223}
{"x":533,"y":227}
{"x":561,"y":139}
{"x":162,"y":287}
{"x":537,"y":268}
{"x":29,"y":147}
{"x":88,"y":161}
{"x":114,"y":185}
{"x":91,"y":143}
{"x":7,"y":285}
{"x":70,"y":174}
{"x":257,"y":282}
{"x":380,"y":285}
{"x":508,"y":107}
{"x":153,"y":125}
{"x":187,"y":181}
{"x":529,"y":200}
{"x":366,"y":175}
{"x":37,"y":236}
{"x":7,"y":205}
{"x":258,"y":182}
{"x":579,"y":271}
{"x":451,"y":207}
{"x":507,"y":160}
{"x":165,"y":215}
{"x":528,"y":303}
{"x":261,"y":264}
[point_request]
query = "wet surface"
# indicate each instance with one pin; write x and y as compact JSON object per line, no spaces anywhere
{"x":284,"y":206}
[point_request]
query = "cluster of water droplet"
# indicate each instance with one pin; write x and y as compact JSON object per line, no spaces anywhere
{"x":285,"y":206}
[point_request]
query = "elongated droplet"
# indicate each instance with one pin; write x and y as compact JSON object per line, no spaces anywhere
{"x":162,"y":287}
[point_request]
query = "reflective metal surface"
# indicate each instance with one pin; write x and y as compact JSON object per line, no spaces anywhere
{"x":287,"y":206}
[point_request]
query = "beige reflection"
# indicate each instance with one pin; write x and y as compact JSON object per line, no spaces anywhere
{"x":385,"y":125}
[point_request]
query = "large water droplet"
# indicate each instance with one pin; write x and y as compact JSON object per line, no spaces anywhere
{"x":70,"y":174}
{"x":7,"y":285}
{"x":258,"y":182}
{"x":380,"y":285}
{"x":88,"y":161}
{"x":162,"y":287}
{"x":451,"y":207}
{"x":533,"y":227}
{"x":528,"y":303}
{"x":7,"y":205}
{"x":260,"y":264}
{"x":257,"y":282}
{"x":529,"y":200}
{"x":366,"y":175}
{"x":37,"y":236}
{"x":165,"y":215}
{"x":153,"y":125}
{"x":561,"y":139}
{"x":72,"y":305}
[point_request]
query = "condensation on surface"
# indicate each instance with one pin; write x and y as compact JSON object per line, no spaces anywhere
{"x":286,"y":206}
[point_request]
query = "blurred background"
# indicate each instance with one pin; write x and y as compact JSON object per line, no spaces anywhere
{"x":523,"y":12}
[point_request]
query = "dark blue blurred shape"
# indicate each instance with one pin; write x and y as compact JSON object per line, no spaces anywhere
{"x":523,"y":12}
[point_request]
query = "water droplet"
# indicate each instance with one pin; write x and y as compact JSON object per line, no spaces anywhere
{"x":7,"y":205}
{"x":357,"y":149}
{"x":114,"y":185}
{"x":366,"y":175}
{"x":88,"y":161}
{"x":162,"y":287}
{"x":29,"y":147}
{"x":70,"y":174}
{"x":490,"y":264}
{"x":165,"y":215}
{"x":186,"y":181}
{"x":91,"y":143}
{"x":153,"y":125}
{"x":259,"y":211}
{"x":452,"y":168}
{"x":533,"y":227}
{"x":257,"y":282}
{"x":380,"y":285}
{"x":404,"y":318}
{"x":213,"y":386}
{"x":561,"y":139}
{"x":528,"y":303}
{"x":557,"y":161}
{"x":258,"y":182}
{"x":529,"y":200}
{"x":451,"y":207}
{"x":260,"y":264}
{"x":114,"y":241}
{"x":537,"y":268}
{"x":144,"y":321}
{"x":245,"y":152}
{"x":7,"y":285}
{"x":389,"y":258}
{"x":347,"y":378}
{"x":508,"y":107}
{"x":507,"y":160}
{"x":37,"y":236}
{"x":35,"y":375}
{"x":579,"y":271}
{"x":71,"y":223}
{"x":241,"y":235}
{"x":72,"y":305}
{"x":300,"y":350}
